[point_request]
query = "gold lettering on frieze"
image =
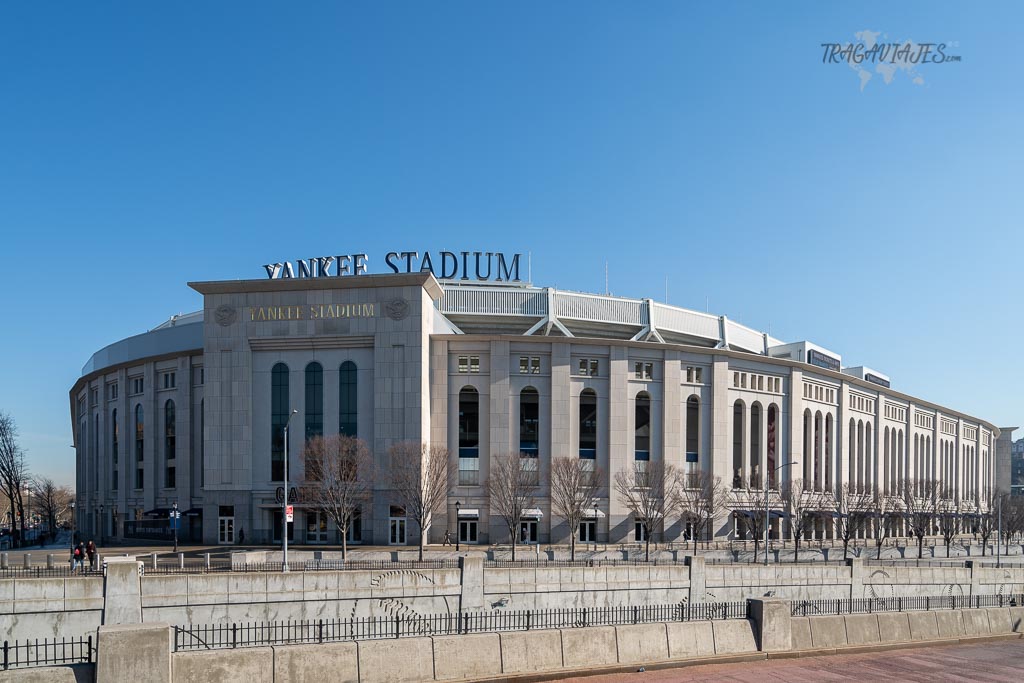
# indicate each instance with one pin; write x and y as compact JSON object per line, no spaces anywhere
{"x":311,"y":312}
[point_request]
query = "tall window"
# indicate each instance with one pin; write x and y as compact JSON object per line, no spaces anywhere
{"x":737,"y":445}
{"x":773,"y":420}
{"x":588,"y":424}
{"x":278,"y":419}
{"x":202,"y":443}
{"x":828,"y":453}
{"x":755,"y":445}
{"x":170,"y":478}
{"x":347,"y":399}
{"x":140,"y":434}
{"x":114,"y":432}
{"x":314,"y":400}
{"x":642,"y":427}
{"x":96,"y":451}
{"x":529,"y":422}
{"x":469,"y":436}
{"x":692,"y":437}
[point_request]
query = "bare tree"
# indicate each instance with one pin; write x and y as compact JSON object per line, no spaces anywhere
{"x":920,"y":503}
{"x":575,"y":486}
{"x":646,"y":489}
{"x":758,"y":502}
{"x":949,"y":521}
{"x":338,"y":480}
{"x":702,"y":498}
{"x":420,"y":476}
{"x":13,"y":473}
{"x":800,"y":505}
{"x":880,"y":517}
{"x":512,"y":487}
{"x":51,"y":500}
{"x":851,"y":511}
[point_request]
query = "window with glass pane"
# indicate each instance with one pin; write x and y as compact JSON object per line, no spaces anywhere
{"x":692,"y":431}
{"x":114,"y":431}
{"x":535,"y":365}
{"x":347,"y":399}
{"x":278,"y":419}
{"x":524,"y":365}
{"x":314,"y":400}
{"x":140,"y":434}
{"x":529,"y":422}
{"x":170,"y":462}
{"x":588,"y":424}
{"x":469,"y":436}
{"x":642,"y":427}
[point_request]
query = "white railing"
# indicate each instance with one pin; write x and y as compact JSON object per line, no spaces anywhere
{"x":594,"y":308}
{"x":680,"y":320}
{"x":494,"y":301}
{"x":745,"y":338}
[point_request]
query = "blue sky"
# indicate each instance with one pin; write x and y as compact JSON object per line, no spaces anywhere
{"x":143,"y":145}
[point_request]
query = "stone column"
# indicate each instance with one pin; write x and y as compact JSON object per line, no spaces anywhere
{"x":698,"y":578}
{"x":122,"y":598}
{"x":472,"y":582}
{"x":139,"y":653}
{"x":772,"y":626}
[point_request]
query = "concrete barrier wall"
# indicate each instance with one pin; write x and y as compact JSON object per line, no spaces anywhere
{"x":50,"y":608}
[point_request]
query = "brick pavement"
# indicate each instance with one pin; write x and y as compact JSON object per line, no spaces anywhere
{"x":992,"y":661}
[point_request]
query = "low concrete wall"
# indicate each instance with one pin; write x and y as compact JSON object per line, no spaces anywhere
{"x":79,"y":673}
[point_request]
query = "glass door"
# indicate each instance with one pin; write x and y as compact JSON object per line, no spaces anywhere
{"x":467,"y":530}
{"x":316,"y":527}
{"x":528,"y":531}
{"x":396,"y":527}
{"x":588,"y":531}
{"x":226,"y":530}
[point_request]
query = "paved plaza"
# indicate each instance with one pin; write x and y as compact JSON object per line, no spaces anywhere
{"x":992,"y":661}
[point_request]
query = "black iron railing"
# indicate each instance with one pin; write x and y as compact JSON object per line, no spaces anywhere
{"x":47,"y":652}
{"x":254,"y":634}
{"x":810,"y":608}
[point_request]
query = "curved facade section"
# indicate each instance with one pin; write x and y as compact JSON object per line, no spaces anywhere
{"x":193,"y":412}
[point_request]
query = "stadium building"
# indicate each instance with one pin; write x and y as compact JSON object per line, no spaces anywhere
{"x":454,"y":349}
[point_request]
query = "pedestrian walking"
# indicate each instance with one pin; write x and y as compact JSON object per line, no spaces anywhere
{"x":90,"y":551}
{"x":447,"y":537}
{"x":76,"y":557}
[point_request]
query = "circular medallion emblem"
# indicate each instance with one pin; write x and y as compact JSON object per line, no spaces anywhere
{"x":225,"y":315}
{"x":397,"y":309}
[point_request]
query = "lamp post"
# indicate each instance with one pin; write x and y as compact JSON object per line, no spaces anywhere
{"x":174,"y":524}
{"x":999,"y":535}
{"x":767,"y":521}
{"x":284,"y":502}
{"x":103,"y":521}
{"x":72,"y":525}
{"x":458,"y":531}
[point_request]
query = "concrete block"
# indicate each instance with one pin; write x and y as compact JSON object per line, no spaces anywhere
{"x":976,"y":622}
{"x":640,"y":643}
{"x":950,"y":623}
{"x":586,"y":647}
{"x":79,"y":673}
{"x":311,"y":663}
{"x":771,"y":624}
{"x":245,"y":665}
{"x":690,"y":639}
{"x":734,"y":636}
{"x":861,"y":629}
{"x":828,"y":631}
{"x":529,"y":651}
{"x":999,"y":620}
{"x":923,"y":625}
{"x":123,"y":603}
{"x":893,"y":627}
{"x":134,"y":652}
{"x":396,"y":661}
{"x":1017,"y":619}
{"x":801,"y":633}
{"x":471,"y":656}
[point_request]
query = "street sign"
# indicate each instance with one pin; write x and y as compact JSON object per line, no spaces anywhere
{"x":289,"y":513}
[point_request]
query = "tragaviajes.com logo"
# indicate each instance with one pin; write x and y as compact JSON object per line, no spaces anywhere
{"x":869,"y":56}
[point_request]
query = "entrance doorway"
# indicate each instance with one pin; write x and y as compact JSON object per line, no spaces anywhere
{"x":226,"y":530}
{"x":528,"y":531}
{"x":316,"y":527}
{"x":588,"y":531}
{"x":467,"y":530}
{"x":396,"y":531}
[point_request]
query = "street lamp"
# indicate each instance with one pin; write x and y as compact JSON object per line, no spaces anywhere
{"x":284,"y":502}
{"x":174,"y":524}
{"x":103,"y":521}
{"x":72,"y":526}
{"x":458,"y":530}
{"x":767,"y":522}
{"x":999,"y":534}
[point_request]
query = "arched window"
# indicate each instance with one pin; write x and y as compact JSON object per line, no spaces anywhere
{"x":96,"y":451}
{"x":170,"y":462}
{"x":692,"y":432}
{"x":886,"y":465}
{"x":140,"y":435}
{"x":114,"y":434}
{"x":901,"y":462}
{"x":773,"y":441}
{"x":314,"y":400}
{"x":202,"y":443}
{"x":828,"y":453}
{"x":469,"y":436}
{"x":529,"y":422}
{"x":870,"y":460}
{"x":588,"y":424}
{"x":755,"y":445}
{"x":642,"y":427}
{"x":737,"y":445}
{"x":347,"y":397}
{"x":817,"y":451}
{"x":279,"y":407}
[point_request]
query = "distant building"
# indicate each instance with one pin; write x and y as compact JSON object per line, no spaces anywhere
{"x":1017,"y":468}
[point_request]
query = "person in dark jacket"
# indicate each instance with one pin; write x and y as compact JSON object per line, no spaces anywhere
{"x":90,"y":551}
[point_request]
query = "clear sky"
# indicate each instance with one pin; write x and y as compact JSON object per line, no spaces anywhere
{"x":144,"y":145}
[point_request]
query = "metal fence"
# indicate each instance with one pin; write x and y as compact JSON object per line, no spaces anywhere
{"x":57,"y":571}
{"x":254,"y":634}
{"x":811,"y":608}
{"x":48,"y":651}
{"x":201,"y":567}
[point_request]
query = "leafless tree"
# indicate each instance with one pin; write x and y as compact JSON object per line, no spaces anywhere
{"x":338,"y":479}
{"x":702,"y":498}
{"x":758,"y":503}
{"x":13,"y":473}
{"x":51,"y":500}
{"x":920,"y":504}
{"x":646,"y":489}
{"x":880,"y":517}
{"x":800,"y":505}
{"x":851,"y":510}
{"x":512,"y":488}
{"x":420,"y":476}
{"x":575,"y":486}
{"x":987,"y":519}
{"x":949,"y":521}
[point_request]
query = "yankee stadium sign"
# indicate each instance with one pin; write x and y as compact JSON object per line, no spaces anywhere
{"x":445,"y":265}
